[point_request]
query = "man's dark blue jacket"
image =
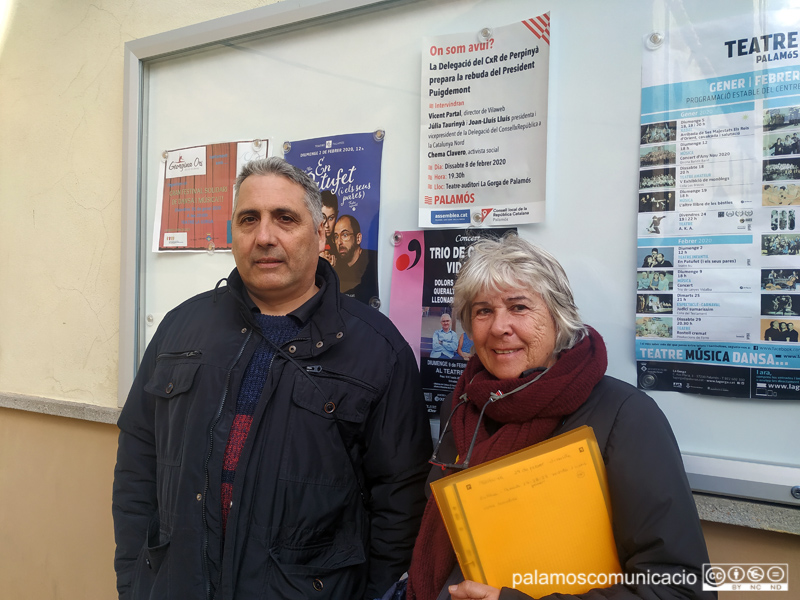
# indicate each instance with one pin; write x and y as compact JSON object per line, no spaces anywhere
{"x":307,"y":520}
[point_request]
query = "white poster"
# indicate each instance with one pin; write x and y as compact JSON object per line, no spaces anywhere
{"x":718,"y":298}
{"x":483,"y":134}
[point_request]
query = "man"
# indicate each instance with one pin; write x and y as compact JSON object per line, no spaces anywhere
{"x":357,"y":267}
{"x":655,"y":223}
{"x":661,"y":262}
{"x":445,"y":340}
{"x":263,"y":453}
{"x":772,"y":333}
{"x":330,"y":212}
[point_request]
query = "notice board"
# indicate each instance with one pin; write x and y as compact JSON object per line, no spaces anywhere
{"x":300,"y":70}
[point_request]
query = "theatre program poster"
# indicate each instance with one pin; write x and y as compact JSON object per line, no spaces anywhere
{"x":195,"y":195}
{"x":424,"y":270}
{"x":483,"y":139}
{"x":718,"y":284}
{"x":347,"y":169}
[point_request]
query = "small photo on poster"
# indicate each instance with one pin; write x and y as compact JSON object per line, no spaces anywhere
{"x":654,"y":327}
{"x":780,"y":279}
{"x":442,"y":337}
{"x":655,"y":258}
{"x":656,"y":281}
{"x":778,"y":144}
{"x":654,"y":133}
{"x":780,"y":195}
{"x":784,"y":305}
{"x":781,"y":118}
{"x":657,"y":156}
{"x":781,"y":244}
{"x":654,"y":303}
{"x":657,"y":178}
{"x":780,"y":330}
{"x":653,"y":226}
{"x":785,"y":169}
{"x":783,"y":220}
{"x":657,"y":202}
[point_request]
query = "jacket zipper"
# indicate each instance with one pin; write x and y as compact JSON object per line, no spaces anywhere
{"x":208,"y":459}
{"x":187,"y":354}
{"x":322,"y":372}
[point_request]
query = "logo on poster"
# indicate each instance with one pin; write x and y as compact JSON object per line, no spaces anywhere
{"x":403,"y":262}
{"x":442,"y":217}
{"x":191,"y":161}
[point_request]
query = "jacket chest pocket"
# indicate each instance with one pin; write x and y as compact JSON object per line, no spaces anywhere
{"x":327,"y":420}
{"x":171,"y":384}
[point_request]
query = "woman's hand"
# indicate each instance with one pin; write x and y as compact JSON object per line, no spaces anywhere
{"x":470,"y":590}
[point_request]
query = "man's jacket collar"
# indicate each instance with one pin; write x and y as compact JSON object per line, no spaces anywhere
{"x":325,"y":327}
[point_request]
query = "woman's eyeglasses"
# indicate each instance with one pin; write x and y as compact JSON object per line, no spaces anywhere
{"x":493,"y":397}
{"x":465,"y":465}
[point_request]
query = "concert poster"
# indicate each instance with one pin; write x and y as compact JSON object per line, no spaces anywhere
{"x":425,"y":266}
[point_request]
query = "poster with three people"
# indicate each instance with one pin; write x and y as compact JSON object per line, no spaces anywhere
{"x":347,"y":169}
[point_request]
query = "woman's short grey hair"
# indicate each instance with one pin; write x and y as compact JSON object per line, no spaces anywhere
{"x":277,"y":166}
{"x":497,"y":264}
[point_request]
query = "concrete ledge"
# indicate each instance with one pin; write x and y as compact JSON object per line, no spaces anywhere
{"x":60,"y":408}
{"x":748,"y":513}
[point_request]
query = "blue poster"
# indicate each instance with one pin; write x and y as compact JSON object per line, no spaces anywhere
{"x":718,"y":244}
{"x":347,"y":169}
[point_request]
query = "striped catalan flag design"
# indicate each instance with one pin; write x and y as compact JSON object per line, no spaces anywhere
{"x":540,"y":27}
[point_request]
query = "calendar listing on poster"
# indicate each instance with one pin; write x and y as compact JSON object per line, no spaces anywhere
{"x":716,"y":280}
{"x":711,"y":255}
{"x":720,"y":197}
{"x":723,"y":329}
{"x":712,"y":128}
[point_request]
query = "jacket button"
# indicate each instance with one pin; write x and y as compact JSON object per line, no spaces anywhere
{"x":244,"y":329}
{"x":317,"y":583}
{"x":292,"y":349}
{"x":329,"y":407}
{"x":169,"y":388}
{"x":147,"y":562}
{"x":319,"y":344}
{"x":339,"y":335}
{"x":199,"y":497}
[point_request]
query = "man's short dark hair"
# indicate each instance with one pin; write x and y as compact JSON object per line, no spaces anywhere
{"x":353,"y":223}
{"x":330,"y":200}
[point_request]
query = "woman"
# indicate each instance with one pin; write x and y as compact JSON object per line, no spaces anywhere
{"x":529,"y":343}
{"x":464,"y":346}
{"x":663,"y":282}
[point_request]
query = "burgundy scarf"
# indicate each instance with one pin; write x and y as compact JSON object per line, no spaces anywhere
{"x":528,"y":416}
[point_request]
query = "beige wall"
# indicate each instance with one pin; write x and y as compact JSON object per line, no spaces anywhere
{"x":56,"y":536}
{"x":729,"y":544}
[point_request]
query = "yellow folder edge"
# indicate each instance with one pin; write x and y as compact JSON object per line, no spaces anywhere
{"x":461,"y":535}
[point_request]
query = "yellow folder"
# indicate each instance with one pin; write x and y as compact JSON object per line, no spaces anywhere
{"x":538,"y":520}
